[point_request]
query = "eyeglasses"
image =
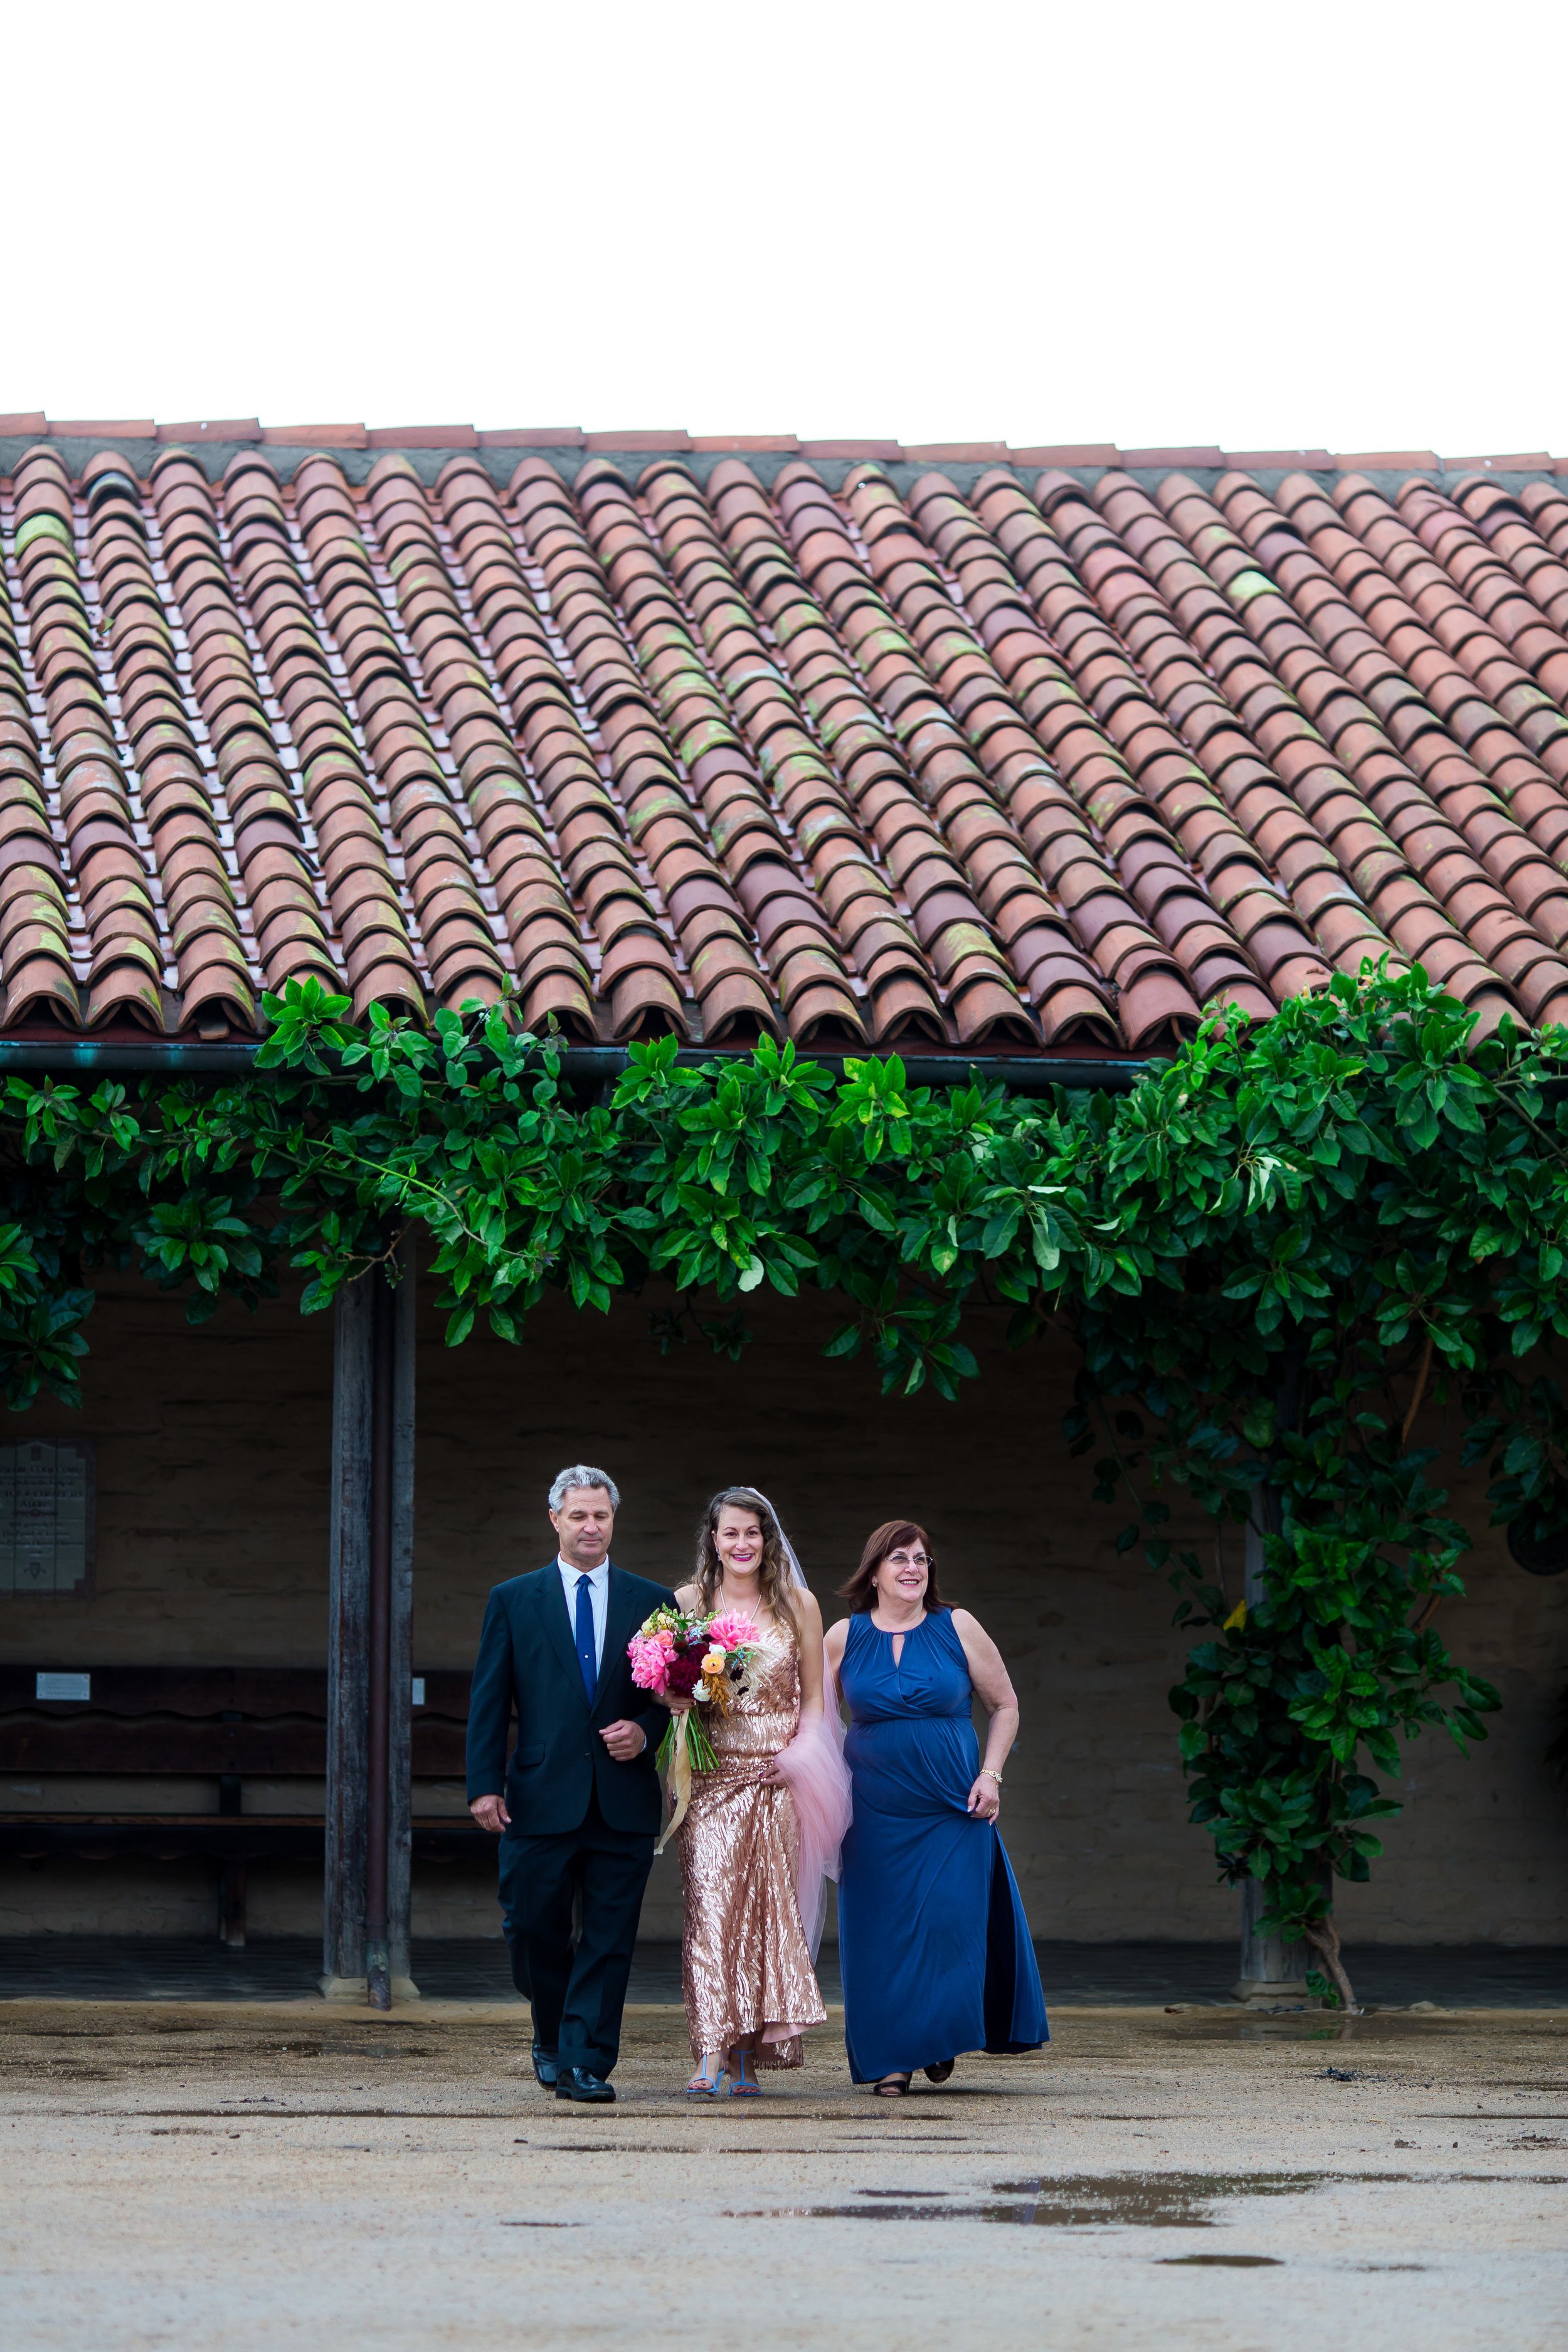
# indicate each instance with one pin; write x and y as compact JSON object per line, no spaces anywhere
{"x":907,"y":1559}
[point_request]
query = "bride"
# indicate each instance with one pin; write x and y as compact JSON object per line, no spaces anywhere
{"x":763,"y":1827}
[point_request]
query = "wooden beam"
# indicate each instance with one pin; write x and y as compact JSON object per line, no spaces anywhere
{"x":348,"y":1661}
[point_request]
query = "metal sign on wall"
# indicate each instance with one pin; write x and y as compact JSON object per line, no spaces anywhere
{"x":45,"y":1517}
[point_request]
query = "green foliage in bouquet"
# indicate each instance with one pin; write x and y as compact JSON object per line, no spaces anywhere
{"x":699,"y":1747}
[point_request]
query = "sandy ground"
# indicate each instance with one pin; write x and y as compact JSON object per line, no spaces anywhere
{"x":295,"y":2176}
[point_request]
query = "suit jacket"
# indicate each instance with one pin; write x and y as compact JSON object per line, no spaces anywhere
{"x":527,"y":1657}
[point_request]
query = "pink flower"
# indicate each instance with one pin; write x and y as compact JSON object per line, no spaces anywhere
{"x":733,"y":1631}
{"x":650,"y":1663}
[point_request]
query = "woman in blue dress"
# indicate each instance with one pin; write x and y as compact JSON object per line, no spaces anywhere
{"x":933,"y":1946}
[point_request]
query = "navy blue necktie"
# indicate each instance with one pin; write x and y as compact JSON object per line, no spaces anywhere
{"x":587,"y":1655}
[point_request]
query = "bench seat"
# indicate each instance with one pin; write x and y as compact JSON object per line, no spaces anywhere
{"x":226,"y":1724}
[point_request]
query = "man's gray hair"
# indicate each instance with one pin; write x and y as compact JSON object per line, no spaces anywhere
{"x":582,"y":1473}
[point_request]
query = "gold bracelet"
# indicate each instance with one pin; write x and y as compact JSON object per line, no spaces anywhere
{"x":989,"y":1772}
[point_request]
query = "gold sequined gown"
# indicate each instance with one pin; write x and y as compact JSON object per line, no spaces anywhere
{"x":746,"y":1968}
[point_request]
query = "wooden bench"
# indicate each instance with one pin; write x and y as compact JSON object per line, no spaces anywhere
{"x":224,"y":1724}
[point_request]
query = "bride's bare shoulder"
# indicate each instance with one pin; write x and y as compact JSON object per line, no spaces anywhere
{"x":685,"y":1595}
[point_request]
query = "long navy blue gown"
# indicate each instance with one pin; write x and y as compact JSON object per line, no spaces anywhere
{"x":933,"y":1940}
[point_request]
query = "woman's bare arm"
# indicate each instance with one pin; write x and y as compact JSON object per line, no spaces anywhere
{"x":810,"y":1654}
{"x":994,"y":1689}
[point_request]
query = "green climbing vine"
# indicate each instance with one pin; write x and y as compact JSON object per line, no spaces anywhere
{"x":1283,"y":1255}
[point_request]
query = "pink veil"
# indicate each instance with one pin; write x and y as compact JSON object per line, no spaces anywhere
{"x":818,"y":1780}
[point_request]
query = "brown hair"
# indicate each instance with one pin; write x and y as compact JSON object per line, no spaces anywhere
{"x":862,"y":1589}
{"x":776,"y":1585}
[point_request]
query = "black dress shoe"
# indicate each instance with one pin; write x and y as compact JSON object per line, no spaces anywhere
{"x":547,"y":2067}
{"x":588,"y":2090}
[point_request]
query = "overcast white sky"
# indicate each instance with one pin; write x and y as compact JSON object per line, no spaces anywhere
{"x":1336,"y":226}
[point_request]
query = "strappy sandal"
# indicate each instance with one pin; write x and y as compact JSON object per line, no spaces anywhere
{"x":704,"y":2086}
{"x":742,"y":2085}
{"x":892,"y":2087}
{"x":940,"y":2074}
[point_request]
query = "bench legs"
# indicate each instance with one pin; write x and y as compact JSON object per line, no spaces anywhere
{"x":231,"y":1902}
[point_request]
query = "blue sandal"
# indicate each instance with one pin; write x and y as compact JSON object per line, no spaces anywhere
{"x":704,"y":2086}
{"x":742,"y":2085}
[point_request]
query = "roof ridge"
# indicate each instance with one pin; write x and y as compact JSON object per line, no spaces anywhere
{"x":642,"y":440}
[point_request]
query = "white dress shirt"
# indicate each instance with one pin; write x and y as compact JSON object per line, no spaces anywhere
{"x":598,"y":1595}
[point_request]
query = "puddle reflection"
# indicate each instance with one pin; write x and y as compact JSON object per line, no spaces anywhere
{"x":1165,"y":2200}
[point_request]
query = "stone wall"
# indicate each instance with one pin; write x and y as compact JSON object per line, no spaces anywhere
{"x":213,"y":1449}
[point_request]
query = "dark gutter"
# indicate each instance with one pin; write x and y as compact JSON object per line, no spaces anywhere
{"x":1022,"y":1074}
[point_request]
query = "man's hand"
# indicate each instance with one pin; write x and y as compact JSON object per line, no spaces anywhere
{"x":491,"y":1814}
{"x":624,"y":1740}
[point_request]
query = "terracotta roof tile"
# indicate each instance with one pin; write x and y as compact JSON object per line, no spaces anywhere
{"x":1085,"y":453}
{"x":856,"y":753}
{"x":531,"y":436}
{"x":233,"y":428}
{"x":422,"y":437}
{"x":1391,"y":461}
{"x":1258,"y":461}
{"x":1536,"y":462}
{"x":746,"y":444}
{"x":631,"y":441}
{"x":315,"y":436}
{"x":1146,"y":459}
{"x":136,"y":428}
{"x":952,"y":452}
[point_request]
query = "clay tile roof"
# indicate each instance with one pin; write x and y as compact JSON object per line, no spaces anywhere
{"x":533,"y":436}
{"x":1081,"y":453}
{"x":1265,"y":461}
{"x":315,"y":436}
{"x":231,"y":428}
{"x":677,"y":439}
{"x":1537,"y":461}
{"x":1147,"y":459}
{"x":423,"y":437}
{"x":136,"y":428}
{"x":1049,"y":750}
{"x":1389,"y":461}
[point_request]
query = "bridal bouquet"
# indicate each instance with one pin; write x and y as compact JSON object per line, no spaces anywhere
{"x":675,"y":1653}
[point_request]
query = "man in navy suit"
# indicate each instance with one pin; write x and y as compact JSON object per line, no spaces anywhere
{"x":578,"y":1809}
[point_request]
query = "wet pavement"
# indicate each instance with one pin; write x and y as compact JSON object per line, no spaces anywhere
{"x":289,"y":2175}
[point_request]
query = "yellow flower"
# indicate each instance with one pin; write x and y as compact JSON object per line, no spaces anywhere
{"x":713,"y":1664}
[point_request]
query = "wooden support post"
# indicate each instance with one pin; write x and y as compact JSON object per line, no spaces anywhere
{"x":347,"y":1650}
{"x":399,"y":1823}
{"x":365,"y":1914}
{"x":1272,"y":1970}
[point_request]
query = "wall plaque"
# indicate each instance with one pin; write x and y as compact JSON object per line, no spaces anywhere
{"x":47,"y":1518}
